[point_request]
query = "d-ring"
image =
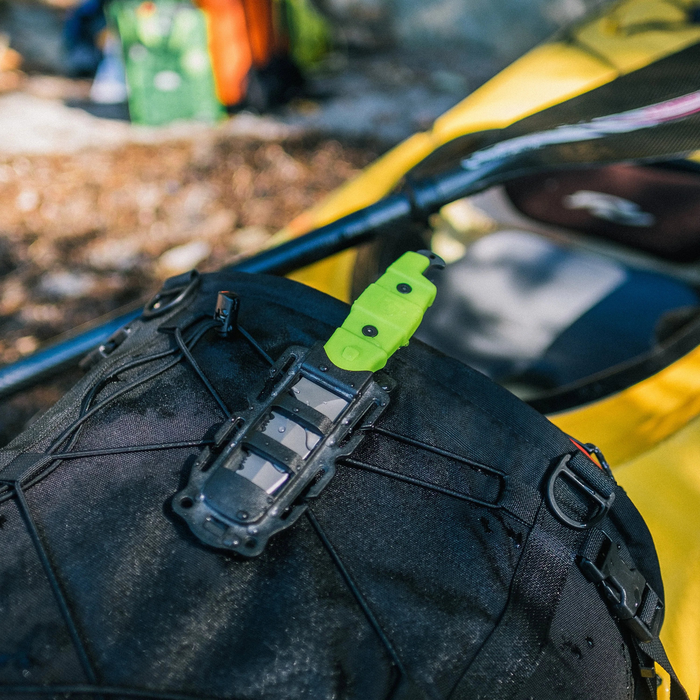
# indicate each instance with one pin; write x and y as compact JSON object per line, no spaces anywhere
{"x":603,"y":503}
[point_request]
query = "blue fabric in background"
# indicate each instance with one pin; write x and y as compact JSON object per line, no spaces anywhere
{"x":81,"y":30}
{"x":618,"y":328}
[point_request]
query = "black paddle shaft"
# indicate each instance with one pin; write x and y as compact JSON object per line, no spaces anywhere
{"x":650,"y":114}
{"x":415,"y":203}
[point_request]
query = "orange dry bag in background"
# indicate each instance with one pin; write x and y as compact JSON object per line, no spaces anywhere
{"x":264,"y":44}
{"x":250,"y":52}
{"x":229,"y":46}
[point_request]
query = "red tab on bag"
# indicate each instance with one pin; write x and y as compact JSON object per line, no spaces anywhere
{"x":593,"y":457}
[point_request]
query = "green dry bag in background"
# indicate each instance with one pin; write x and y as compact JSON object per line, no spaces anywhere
{"x":168,"y":67}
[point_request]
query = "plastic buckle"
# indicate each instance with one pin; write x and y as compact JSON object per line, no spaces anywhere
{"x":604,"y":503}
{"x":624,"y":588}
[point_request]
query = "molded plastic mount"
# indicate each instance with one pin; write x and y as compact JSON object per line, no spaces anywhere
{"x":224,"y":505}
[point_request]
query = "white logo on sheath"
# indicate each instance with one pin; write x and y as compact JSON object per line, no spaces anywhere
{"x":609,"y":207}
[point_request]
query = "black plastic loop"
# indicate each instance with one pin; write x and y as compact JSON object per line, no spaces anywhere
{"x":104,"y":350}
{"x":594,"y":449}
{"x":157,"y":307}
{"x":226,"y":312}
{"x":603,"y":503}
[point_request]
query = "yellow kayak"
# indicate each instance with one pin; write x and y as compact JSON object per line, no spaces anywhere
{"x":649,"y":431}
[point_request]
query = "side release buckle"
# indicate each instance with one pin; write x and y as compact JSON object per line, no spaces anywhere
{"x":628,"y":595}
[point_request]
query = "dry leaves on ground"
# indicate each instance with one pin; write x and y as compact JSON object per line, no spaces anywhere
{"x":83,"y":234}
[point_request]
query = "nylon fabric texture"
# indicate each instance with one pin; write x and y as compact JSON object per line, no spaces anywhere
{"x":397,"y":582}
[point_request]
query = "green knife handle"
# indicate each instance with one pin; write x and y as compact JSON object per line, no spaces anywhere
{"x":385,"y":315}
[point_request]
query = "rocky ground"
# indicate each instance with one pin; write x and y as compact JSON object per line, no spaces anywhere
{"x":96,"y":212}
{"x":87,"y":232}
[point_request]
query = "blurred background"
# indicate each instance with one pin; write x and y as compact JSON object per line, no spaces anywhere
{"x":142,"y":138}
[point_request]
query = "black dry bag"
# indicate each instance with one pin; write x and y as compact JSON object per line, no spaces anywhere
{"x":452,"y":543}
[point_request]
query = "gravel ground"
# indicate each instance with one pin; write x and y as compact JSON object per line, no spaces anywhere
{"x":95,"y":213}
{"x":87,"y":232}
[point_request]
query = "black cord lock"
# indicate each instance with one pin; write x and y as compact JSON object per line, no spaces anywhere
{"x":226,"y":312}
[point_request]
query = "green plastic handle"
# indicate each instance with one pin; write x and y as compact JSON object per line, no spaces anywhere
{"x":384,"y":316}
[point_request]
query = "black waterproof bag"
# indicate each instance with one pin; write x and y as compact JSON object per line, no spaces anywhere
{"x":455,"y":544}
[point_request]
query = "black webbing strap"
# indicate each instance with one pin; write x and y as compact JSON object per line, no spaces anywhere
{"x":603,"y":564}
{"x":655,"y":651}
{"x":23,"y":465}
{"x":275,"y":451}
{"x":515,"y":648}
{"x":299,"y":412}
{"x":516,"y":645}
